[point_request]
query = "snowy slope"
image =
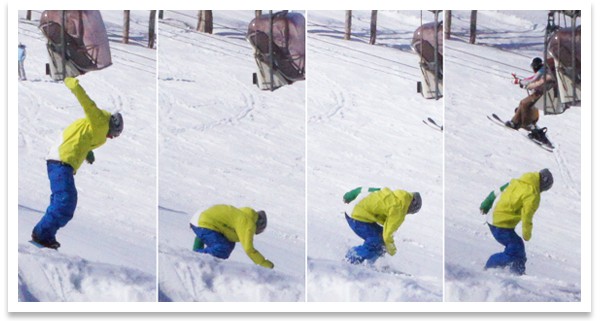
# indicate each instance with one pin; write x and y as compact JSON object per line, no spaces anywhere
{"x":108,"y":250}
{"x":481,"y":156}
{"x":224,"y":141}
{"x":365,"y":129}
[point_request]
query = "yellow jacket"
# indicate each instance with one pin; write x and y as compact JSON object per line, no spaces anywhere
{"x":237,"y":225}
{"x":518,"y":202}
{"x":84,"y":134}
{"x":386,"y":207}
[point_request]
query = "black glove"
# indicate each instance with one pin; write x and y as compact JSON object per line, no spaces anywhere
{"x":90,"y":157}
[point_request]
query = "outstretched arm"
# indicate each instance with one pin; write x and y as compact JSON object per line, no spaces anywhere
{"x":247,"y":239}
{"x":92,"y":112}
{"x":353,"y":194}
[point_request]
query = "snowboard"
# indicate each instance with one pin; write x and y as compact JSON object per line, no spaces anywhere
{"x":545,"y":146}
{"x":40,"y":246}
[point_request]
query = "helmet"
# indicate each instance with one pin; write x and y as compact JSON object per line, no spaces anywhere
{"x":261,"y":222}
{"x":415,"y":204}
{"x":546,"y":180}
{"x":115,"y":125}
{"x":537,"y":63}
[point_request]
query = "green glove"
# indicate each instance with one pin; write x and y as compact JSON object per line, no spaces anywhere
{"x":71,"y":82}
{"x":267,"y":264}
{"x":352,"y":195}
{"x":198,"y":244}
{"x":390,"y":248}
{"x":90,"y":158}
{"x":487,"y":204}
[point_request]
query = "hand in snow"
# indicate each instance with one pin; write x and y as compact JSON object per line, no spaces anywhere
{"x":267,"y":264}
{"x":390,"y":248}
{"x":482,"y":211}
{"x":90,"y":158}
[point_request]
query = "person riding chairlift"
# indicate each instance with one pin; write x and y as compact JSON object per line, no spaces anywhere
{"x":526,"y":115}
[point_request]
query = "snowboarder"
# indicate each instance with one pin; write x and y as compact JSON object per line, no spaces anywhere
{"x":22,"y":56}
{"x":519,"y":199}
{"x":526,"y":115}
{"x":375,"y":219}
{"x":75,"y":145}
{"x":219,"y":227}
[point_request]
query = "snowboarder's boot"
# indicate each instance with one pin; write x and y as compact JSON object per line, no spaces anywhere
{"x":539,"y":134}
{"x":518,"y":266}
{"x":52,"y":244}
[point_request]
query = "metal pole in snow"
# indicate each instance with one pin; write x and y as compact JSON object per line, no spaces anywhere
{"x":546,"y":40}
{"x":271,"y":48}
{"x":573,"y":52}
{"x":63,"y":45}
{"x":435,"y":57}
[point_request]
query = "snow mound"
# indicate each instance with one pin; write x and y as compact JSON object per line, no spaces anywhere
{"x":198,"y":277}
{"x":49,"y":275}
{"x":502,"y":286}
{"x":341,"y":281}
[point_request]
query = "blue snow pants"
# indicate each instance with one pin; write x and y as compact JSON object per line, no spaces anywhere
{"x":63,"y":201}
{"x":372,"y":248}
{"x":216,"y":244}
{"x":514,"y":251}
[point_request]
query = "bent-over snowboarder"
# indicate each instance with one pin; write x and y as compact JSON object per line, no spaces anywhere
{"x":219,"y":227}
{"x":375,"y":219}
{"x":519,"y":199}
{"x":75,"y":145}
{"x":526,"y":115}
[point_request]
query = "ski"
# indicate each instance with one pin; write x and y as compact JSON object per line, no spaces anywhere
{"x":431,"y":123}
{"x":498,"y":121}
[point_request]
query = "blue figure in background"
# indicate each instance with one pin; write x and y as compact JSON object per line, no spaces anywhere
{"x":22,"y":55}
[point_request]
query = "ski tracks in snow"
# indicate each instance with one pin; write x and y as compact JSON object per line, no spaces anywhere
{"x":239,"y":114}
{"x":364,"y":59}
{"x":339,"y":102}
{"x":249,"y":99}
{"x":243,"y":52}
{"x":565,"y":172}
